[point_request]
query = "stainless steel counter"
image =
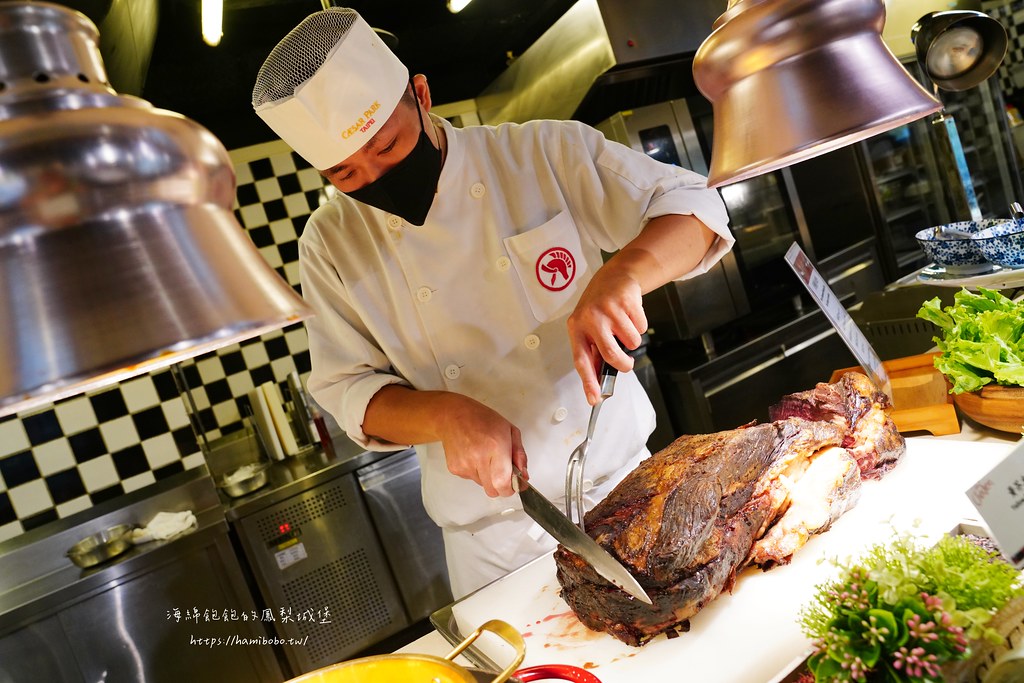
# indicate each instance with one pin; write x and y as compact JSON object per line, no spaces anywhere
{"x":36,"y":573}
{"x":114,"y":621}
{"x":297,"y":474}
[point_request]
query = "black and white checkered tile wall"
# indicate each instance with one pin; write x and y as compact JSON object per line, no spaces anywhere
{"x":90,"y":448}
{"x":1011,"y":71}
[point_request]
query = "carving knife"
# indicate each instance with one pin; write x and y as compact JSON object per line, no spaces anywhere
{"x":544,"y":512}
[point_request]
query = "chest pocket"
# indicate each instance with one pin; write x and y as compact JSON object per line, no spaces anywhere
{"x":551,"y":266}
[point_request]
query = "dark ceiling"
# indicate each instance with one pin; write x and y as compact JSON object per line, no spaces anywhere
{"x":460,"y":53}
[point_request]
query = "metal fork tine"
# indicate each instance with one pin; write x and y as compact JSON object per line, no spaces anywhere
{"x":577,"y":460}
{"x":570,"y":479}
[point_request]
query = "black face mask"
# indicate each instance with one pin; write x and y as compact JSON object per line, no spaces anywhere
{"x":408,"y":188}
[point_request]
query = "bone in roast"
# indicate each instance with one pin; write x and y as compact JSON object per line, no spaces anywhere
{"x":691,"y":516}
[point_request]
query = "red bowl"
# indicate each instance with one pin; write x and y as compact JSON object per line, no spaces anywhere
{"x":555,"y":672}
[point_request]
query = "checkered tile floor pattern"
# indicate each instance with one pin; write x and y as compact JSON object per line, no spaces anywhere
{"x":91,"y":448}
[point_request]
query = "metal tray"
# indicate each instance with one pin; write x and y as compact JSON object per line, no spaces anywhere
{"x":443,"y":620}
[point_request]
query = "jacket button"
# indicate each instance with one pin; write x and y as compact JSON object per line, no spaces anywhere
{"x":560,"y":414}
{"x":424,"y":294}
{"x":394,"y":222}
{"x":503,"y":263}
{"x":587,"y":485}
{"x":477,"y":190}
{"x":532,"y":341}
{"x":452,"y":371}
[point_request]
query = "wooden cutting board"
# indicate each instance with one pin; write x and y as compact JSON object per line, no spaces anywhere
{"x":920,"y":395}
{"x":751,"y":635}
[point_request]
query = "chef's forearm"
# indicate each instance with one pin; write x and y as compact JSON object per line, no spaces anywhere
{"x":402,"y":415}
{"x":669,"y":246}
{"x":479,"y":444}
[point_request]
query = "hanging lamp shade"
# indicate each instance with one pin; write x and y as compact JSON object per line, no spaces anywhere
{"x":119,"y":250}
{"x":958,"y":49}
{"x":792,"y":79}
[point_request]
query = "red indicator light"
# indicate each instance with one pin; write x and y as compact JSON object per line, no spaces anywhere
{"x":284,"y":528}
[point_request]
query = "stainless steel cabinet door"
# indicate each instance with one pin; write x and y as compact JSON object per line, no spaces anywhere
{"x":38,"y":652}
{"x":128,"y":633}
{"x":318,"y":550}
{"x":411,"y":540}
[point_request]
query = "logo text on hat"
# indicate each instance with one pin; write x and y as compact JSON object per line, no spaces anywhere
{"x":363,"y":124}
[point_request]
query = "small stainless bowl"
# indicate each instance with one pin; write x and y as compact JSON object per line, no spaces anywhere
{"x":237,"y":487}
{"x":100,"y":547}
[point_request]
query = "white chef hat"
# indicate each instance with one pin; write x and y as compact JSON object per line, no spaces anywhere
{"x":328,"y":86}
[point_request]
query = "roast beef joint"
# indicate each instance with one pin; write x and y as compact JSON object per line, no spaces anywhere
{"x":688,"y":519}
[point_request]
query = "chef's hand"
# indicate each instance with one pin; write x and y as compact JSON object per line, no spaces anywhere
{"x":610,"y":308}
{"x":481,"y":445}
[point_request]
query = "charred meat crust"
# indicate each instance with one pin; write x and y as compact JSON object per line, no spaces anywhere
{"x":687,"y":519}
{"x":855,"y":404}
{"x":683,"y":523}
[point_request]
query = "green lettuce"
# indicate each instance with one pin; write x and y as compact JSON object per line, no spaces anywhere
{"x":982,"y":339}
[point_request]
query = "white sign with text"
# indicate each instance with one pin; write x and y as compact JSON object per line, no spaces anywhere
{"x":290,"y":555}
{"x":999,"y":497}
{"x":840,"y":319}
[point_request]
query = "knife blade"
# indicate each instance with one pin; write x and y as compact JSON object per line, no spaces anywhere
{"x":552,"y":520}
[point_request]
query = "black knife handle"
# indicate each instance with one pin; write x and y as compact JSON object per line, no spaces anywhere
{"x":610,"y":372}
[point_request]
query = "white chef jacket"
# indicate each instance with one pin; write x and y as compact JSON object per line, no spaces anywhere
{"x":475,"y":301}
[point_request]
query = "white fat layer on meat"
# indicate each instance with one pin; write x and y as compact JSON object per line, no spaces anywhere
{"x":823,"y":491}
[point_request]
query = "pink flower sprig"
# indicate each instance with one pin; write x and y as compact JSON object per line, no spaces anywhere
{"x":903,"y":611}
{"x":921,"y":630}
{"x":916,"y":662}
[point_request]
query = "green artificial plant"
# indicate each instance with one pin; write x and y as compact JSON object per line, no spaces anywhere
{"x":903,"y":610}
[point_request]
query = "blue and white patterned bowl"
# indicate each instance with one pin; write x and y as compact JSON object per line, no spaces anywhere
{"x":947,"y":250}
{"x":1002,"y":243}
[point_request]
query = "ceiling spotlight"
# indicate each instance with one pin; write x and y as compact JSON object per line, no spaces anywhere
{"x":213,"y":21}
{"x":958,"y":49}
{"x":456,"y":6}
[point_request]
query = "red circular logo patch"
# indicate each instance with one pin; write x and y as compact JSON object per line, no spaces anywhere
{"x":556,"y":269}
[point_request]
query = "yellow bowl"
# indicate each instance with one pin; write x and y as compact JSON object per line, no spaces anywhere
{"x":417,"y":668}
{"x":994,"y":406}
{"x":389,"y":669}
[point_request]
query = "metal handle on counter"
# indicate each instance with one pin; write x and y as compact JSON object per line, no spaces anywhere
{"x":506,"y":633}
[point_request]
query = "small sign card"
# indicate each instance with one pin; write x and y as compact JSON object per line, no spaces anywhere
{"x":840,"y":319}
{"x":999,"y":497}
{"x":290,"y":555}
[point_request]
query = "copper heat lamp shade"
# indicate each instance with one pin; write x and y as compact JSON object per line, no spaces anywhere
{"x":119,"y":251}
{"x":792,"y":79}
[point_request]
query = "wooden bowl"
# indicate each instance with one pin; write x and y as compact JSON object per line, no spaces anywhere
{"x":994,"y":406}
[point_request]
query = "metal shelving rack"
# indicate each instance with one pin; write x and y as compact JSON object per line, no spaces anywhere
{"x":915,"y":184}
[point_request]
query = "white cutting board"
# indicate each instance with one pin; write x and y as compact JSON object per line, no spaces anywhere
{"x":752,"y":634}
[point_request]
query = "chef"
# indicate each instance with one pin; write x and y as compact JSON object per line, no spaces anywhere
{"x":462,"y":302}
